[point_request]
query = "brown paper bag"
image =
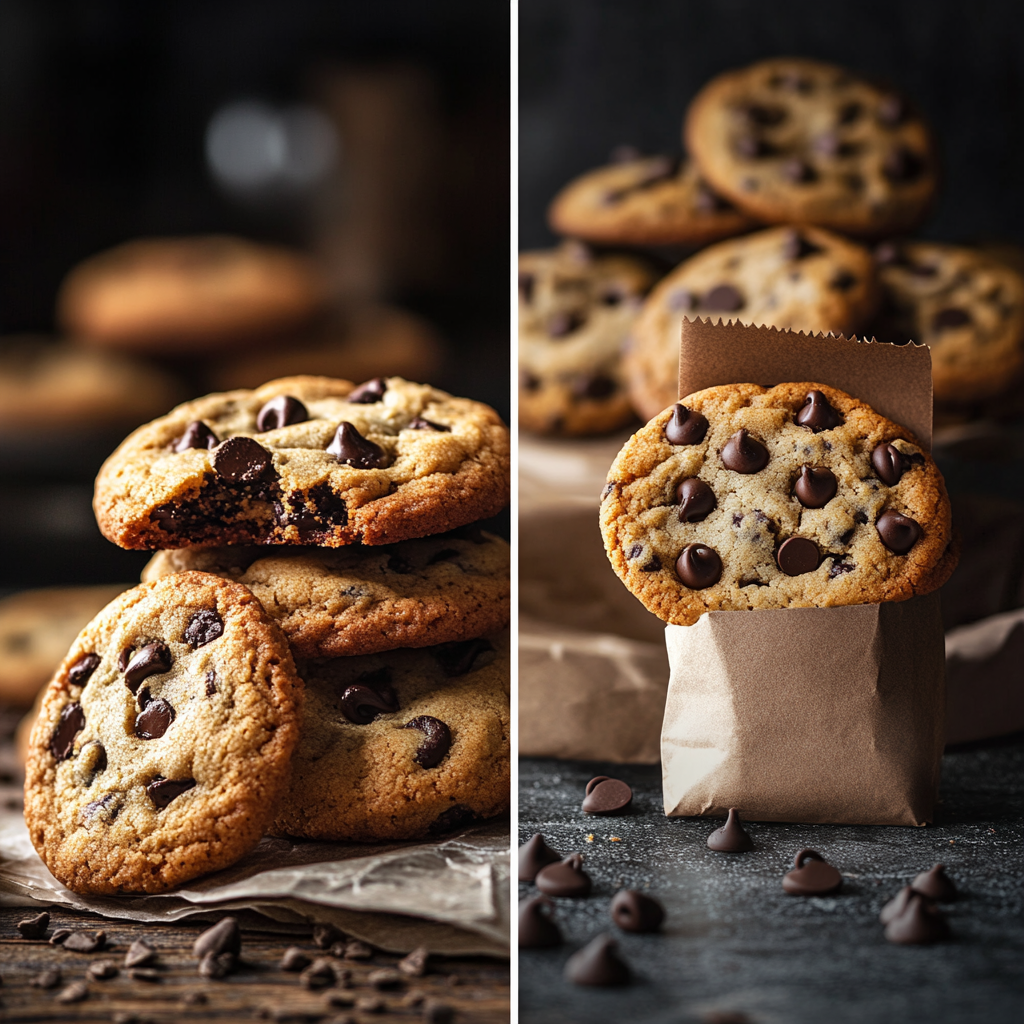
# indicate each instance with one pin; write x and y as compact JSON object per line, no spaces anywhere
{"x":808,"y":714}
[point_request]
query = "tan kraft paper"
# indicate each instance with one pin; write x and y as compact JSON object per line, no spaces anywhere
{"x":808,"y":714}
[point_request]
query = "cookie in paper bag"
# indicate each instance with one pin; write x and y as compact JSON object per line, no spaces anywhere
{"x":742,"y":497}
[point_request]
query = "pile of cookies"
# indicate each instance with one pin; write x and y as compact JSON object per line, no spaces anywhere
{"x":841,"y":168}
{"x":317,"y":649}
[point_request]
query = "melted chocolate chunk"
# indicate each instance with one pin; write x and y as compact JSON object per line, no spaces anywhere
{"x":698,"y":566}
{"x":330,"y":507}
{"x":598,"y":963}
{"x":241,"y":460}
{"x":368,"y":393}
{"x":566,"y":878}
{"x":280,"y":412}
{"x":818,"y":413}
{"x":724,"y":298}
{"x":371,"y":694}
{"x":536,"y":928}
{"x":744,"y":454}
{"x":452,"y":818}
{"x":635,"y":551}
{"x":204,"y":627}
{"x":438,"y":740}
{"x":653,"y":564}
{"x":462,"y":656}
{"x":815,"y":487}
{"x":796,"y":247}
{"x":685,"y":426}
{"x":80,"y":672}
{"x":839,"y":566}
{"x":635,"y":911}
{"x":419,"y":423}
{"x":197,"y":435}
{"x":151,"y":660}
{"x":812,"y":875}
{"x":899,"y":533}
{"x":154,"y":720}
{"x":70,"y":723}
{"x":352,"y":449}
{"x":162,"y":791}
{"x":731,"y":837}
{"x":696,"y":500}
{"x":797,"y":556}
{"x":952,"y":316}
{"x":534,"y":855}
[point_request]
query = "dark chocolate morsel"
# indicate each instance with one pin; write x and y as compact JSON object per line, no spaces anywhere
{"x":419,"y":423}
{"x":597,"y":963}
{"x":352,"y":449}
{"x":154,"y":719}
{"x":812,"y":875}
{"x":698,"y":566}
{"x":796,"y":246}
{"x":537,"y":930}
{"x":606,"y":796}
{"x":696,"y":500}
{"x":105,"y":809}
{"x":438,"y":741}
{"x":919,"y":923}
{"x":815,"y":487}
{"x":35,"y":927}
{"x":69,"y":725}
{"x":653,"y":564}
{"x":896,"y":905}
{"x":817,"y":413}
{"x":204,"y":627}
{"x":360,"y":704}
{"x":197,"y":435}
{"x":462,"y":656}
{"x":731,"y":837}
{"x":534,"y":855}
{"x":79,"y":673}
{"x":224,"y":937}
{"x":888,"y":463}
{"x":685,"y":426}
{"x":162,"y":791}
{"x":211,"y":683}
{"x":368,"y":393}
{"x":566,"y":878}
{"x":280,"y":411}
{"x":123,"y":658}
{"x":797,"y":556}
{"x":241,"y":460}
{"x":723,"y":298}
{"x":147,"y":661}
{"x":85,"y":942}
{"x":634,"y":911}
{"x":951,"y":316}
{"x":902,"y":165}
{"x":897,"y":532}
{"x":935,"y":884}
{"x":744,"y":454}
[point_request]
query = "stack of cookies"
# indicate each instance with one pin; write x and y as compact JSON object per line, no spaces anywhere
{"x":839,"y":166}
{"x":315,"y":651}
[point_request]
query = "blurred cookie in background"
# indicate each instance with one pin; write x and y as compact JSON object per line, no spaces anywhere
{"x":645,"y":200}
{"x":172,"y":296}
{"x":575,"y":311}
{"x":357,"y":343}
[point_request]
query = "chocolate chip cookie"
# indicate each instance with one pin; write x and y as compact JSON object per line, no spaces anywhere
{"x":163,"y":741}
{"x":306,"y":460}
{"x":805,"y":279}
{"x":358,"y":600}
{"x":798,"y":141}
{"x":575,"y":310}
{"x":741,"y":497}
{"x":965,"y":305}
{"x":645,"y":200}
{"x":401,"y":745}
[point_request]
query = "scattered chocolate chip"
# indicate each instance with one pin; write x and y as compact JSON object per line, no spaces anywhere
{"x":797,"y":171}
{"x":34,"y":927}
{"x":744,"y":454}
{"x":204,"y":627}
{"x":326,"y":935}
{"x":685,"y":426}
{"x":223,"y":937}
{"x":723,"y":298}
{"x":952,"y":316}
{"x":352,"y":449}
{"x":891,"y":110}
{"x":888,"y":463}
{"x":356,"y":950}
{"x":594,"y":387}
{"x":731,"y":837}
{"x":811,"y":875}
{"x":419,"y":423}
{"x":653,"y":564}
{"x":83,"y":668}
{"x":154,"y":720}
{"x":696,"y":500}
{"x":899,"y":533}
{"x":534,"y":855}
{"x":140,"y":953}
{"x":211,"y":683}
{"x":70,"y":723}
{"x":217,"y":965}
{"x":796,"y":246}
{"x":384,"y":979}
{"x":597,"y":963}
{"x":241,"y":460}
{"x":45,"y":979}
{"x":815,"y":487}
{"x":368,"y":393}
{"x":101,"y":970}
{"x":842,"y":281}
{"x":537,"y":928}
{"x":414,"y":964}
{"x":438,"y":740}
{"x":635,"y":911}
{"x":698,"y":566}
{"x":919,"y":923}
{"x":635,"y":551}
{"x":935,"y":884}
{"x":76,"y":992}
{"x":58,"y":937}
{"x":144,"y":974}
{"x":85,"y":942}
{"x":319,"y":974}
{"x":605,"y":796}
{"x":896,"y":905}
{"x":362,"y":702}
{"x":902,"y":165}
{"x":462,"y":656}
{"x":151,"y":660}
{"x":197,"y":435}
{"x":682,"y":300}
{"x":370,"y":1004}
{"x":281,"y":411}
{"x":436,"y":1012}
{"x":566,"y":878}
{"x":860,"y":517}
{"x":797,"y":556}
{"x":818,"y":413}
{"x":162,"y":791}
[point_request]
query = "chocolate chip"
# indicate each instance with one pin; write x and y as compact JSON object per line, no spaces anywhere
{"x":217,"y":966}
{"x":635,"y":551}
{"x":796,"y":246}
{"x":85,"y":942}
{"x":594,"y":387}
{"x":723,"y":298}
{"x":140,"y":953}
{"x":419,"y":423}
{"x":79,"y":673}
{"x":952,"y":316}
{"x":280,"y":412}
{"x":414,"y":964}
{"x":597,"y":963}
{"x":566,"y":878}
{"x":59,"y":936}
{"x":685,"y":426}
{"x":920,"y":923}
{"x":682,"y":299}
{"x":839,"y":566}
{"x":369,"y":695}
{"x":899,"y":533}
{"x":653,"y":564}
{"x":537,"y":930}
{"x":896,"y":905}
{"x":154,"y":720}
{"x":891,"y":110}
{"x":698,"y":566}
{"x":326,"y":935}
{"x":818,"y":413}
{"x":151,"y":660}
{"x":102,"y":970}
{"x":634,"y":911}
{"x":438,"y":740}
{"x":34,"y":927}
{"x":76,"y":992}
{"x":902,"y":165}
{"x":462,"y":656}
{"x":224,"y":937}
{"x":815,"y":487}
{"x":368,"y":393}
{"x":294,"y":959}
{"x":696,"y":500}
{"x":45,"y":979}
{"x":319,"y":974}
{"x":534,"y":855}
{"x":197,"y":435}
{"x":203,"y":628}
{"x":356,"y":950}
{"x":241,"y":460}
{"x":352,"y":449}
{"x":605,"y":796}
{"x":850,"y":112}
{"x":144,"y":974}
{"x":562,"y":324}
{"x":211,"y":683}
{"x":797,"y":556}
{"x":162,"y":791}
{"x":935,"y":884}
{"x":842,"y":281}
{"x":812,"y":875}
{"x":744,"y":454}
{"x":526,"y":283}
{"x":860,"y":517}
{"x":69,"y":725}
{"x":888,"y":463}
{"x":797,"y":171}
{"x":731,"y":837}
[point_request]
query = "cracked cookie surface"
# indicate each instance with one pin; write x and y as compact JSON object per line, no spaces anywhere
{"x":163,"y":741}
{"x":741,"y":497}
{"x":358,"y":600}
{"x":306,"y":460}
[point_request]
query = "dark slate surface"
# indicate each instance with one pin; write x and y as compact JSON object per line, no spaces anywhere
{"x":734,"y":942}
